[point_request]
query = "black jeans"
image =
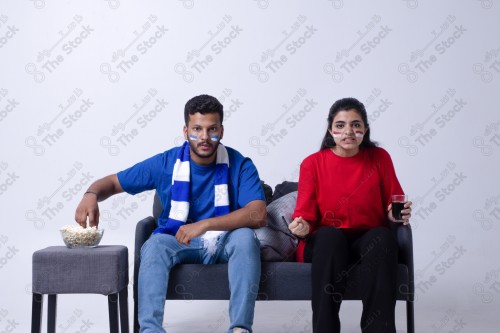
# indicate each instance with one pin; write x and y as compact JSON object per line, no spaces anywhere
{"x":332,"y":253}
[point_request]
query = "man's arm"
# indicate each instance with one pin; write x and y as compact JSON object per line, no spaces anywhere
{"x":99,"y":190}
{"x":253,"y":215}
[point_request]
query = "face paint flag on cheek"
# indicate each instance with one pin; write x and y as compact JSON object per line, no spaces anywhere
{"x":336,"y":135}
{"x":193,"y":137}
{"x":214,"y":138}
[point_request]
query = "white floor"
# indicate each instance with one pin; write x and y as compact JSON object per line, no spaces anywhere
{"x":295,"y":317}
{"x":442,"y":314}
{"x":275,"y":316}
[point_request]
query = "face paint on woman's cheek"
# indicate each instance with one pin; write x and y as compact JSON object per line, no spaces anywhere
{"x":193,"y":137}
{"x":336,"y":135}
{"x":214,"y":138}
{"x":359,"y":135}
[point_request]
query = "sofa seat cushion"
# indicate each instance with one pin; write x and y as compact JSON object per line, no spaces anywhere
{"x":278,"y":281}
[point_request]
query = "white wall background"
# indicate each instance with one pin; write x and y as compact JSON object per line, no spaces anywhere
{"x":88,"y":88}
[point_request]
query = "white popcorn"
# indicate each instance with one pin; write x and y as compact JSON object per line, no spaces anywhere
{"x":77,"y":236}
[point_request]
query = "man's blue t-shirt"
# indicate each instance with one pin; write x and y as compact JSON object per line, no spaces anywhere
{"x":155,"y":173}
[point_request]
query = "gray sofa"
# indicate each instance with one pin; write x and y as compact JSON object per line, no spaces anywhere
{"x":282,"y":280}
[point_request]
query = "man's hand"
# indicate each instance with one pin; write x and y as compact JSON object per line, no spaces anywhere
{"x":87,"y":208}
{"x":300,"y":227}
{"x":190,"y":231}
{"x":100,"y":189}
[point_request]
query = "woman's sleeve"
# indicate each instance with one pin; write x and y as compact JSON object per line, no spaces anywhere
{"x":390,"y":183}
{"x":307,"y":205}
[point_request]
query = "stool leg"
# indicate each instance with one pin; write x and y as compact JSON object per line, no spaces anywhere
{"x":113,"y":313}
{"x":36,"y":313}
{"x":51,"y":313}
{"x":123,"y":303}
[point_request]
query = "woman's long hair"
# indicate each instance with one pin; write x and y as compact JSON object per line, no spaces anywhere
{"x":345,"y":104}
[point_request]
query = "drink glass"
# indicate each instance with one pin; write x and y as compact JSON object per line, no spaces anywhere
{"x":398,"y":203}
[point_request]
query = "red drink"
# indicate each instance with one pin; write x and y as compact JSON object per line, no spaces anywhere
{"x":398,"y":203}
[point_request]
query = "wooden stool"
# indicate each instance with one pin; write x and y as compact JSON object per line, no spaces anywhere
{"x":100,"y":270}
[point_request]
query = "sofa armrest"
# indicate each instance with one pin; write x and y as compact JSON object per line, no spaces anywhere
{"x":143,"y":231}
{"x":405,"y":247}
{"x":405,"y":242}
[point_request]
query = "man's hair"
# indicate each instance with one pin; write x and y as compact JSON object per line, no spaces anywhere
{"x":203,"y":104}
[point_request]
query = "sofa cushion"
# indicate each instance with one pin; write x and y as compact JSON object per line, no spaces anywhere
{"x":276,"y":241}
{"x":278,"y":281}
{"x":284,"y":188}
{"x":157,"y":207}
{"x":268,"y":192}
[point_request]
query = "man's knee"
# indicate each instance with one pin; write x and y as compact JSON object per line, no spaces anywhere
{"x":243,"y":239}
{"x":156,"y":246}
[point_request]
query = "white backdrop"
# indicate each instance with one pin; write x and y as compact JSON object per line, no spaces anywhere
{"x":87,"y":88}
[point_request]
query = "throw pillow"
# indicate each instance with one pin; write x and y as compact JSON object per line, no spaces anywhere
{"x":277,"y":243}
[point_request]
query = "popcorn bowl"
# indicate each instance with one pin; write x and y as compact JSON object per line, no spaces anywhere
{"x":75,"y":236}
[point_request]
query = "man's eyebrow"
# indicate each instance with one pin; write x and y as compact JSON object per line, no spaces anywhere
{"x":212,"y":125}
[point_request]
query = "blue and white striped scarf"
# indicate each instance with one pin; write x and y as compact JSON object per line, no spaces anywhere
{"x":179,"y":204}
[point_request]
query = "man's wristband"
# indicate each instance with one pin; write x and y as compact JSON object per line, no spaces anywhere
{"x":91,"y":192}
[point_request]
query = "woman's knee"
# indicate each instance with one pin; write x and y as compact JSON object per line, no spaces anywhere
{"x":330,"y":236}
{"x":328,"y":241}
{"x":380,"y":243}
{"x":385,"y":238}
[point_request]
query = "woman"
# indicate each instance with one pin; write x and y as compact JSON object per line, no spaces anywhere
{"x":342,"y":215}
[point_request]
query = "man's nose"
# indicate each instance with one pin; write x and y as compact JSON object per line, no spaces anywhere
{"x":204,"y":135}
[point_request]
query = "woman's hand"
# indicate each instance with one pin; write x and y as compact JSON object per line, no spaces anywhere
{"x":405,"y":213}
{"x":300,"y":227}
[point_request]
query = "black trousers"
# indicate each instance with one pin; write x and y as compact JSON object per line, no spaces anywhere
{"x":332,"y":251}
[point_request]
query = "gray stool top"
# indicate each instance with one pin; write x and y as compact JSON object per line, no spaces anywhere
{"x":100,"y":270}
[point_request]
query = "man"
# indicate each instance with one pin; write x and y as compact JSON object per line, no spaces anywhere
{"x":211,"y":197}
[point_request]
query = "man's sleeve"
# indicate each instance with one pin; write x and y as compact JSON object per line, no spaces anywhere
{"x":143,"y":176}
{"x":249,"y":184}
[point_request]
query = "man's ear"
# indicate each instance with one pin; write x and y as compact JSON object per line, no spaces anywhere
{"x":185,"y":131}
{"x":221,"y":132}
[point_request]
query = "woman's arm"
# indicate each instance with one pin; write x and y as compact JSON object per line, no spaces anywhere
{"x":390,"y":185}
{"x":305,"y":214}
